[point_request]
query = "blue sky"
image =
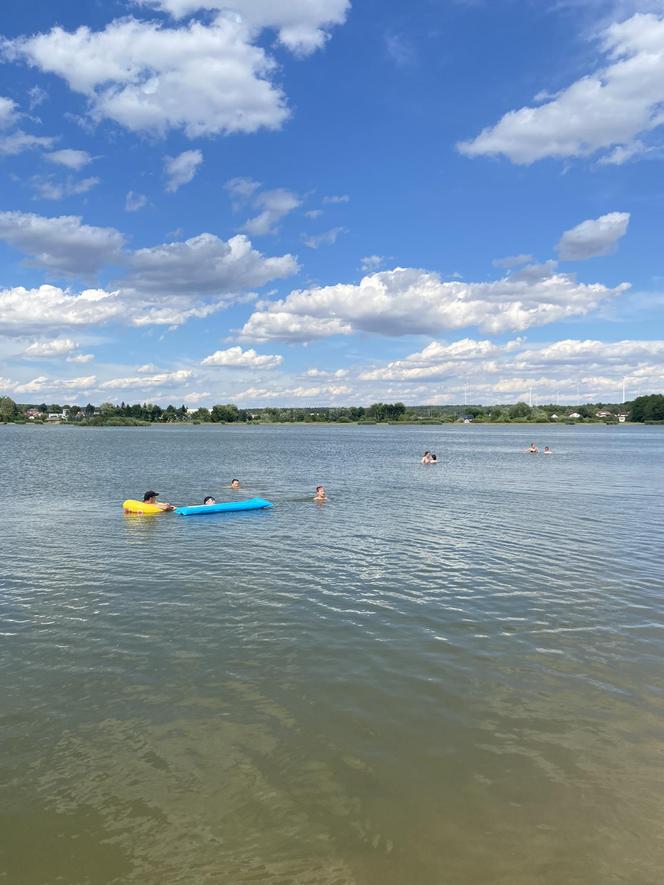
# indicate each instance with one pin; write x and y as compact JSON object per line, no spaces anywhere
{"x":331,"y":202}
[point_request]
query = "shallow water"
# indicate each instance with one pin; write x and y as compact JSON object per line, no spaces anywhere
{"x":447,"y":674}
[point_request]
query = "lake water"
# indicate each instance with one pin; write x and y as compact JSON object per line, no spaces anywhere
{"x":446,"y":675}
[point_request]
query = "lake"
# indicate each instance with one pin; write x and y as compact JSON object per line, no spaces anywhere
{"x":446,"y":675}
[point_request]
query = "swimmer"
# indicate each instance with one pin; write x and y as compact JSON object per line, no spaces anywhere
{"x":320,"y":495}
{"x":235,"y":483}
{"x":533,"y":450}
{"x":426,"y":457}
{"x":151,"y":498}
{"x":209,"y":500}
{"x":434,"y":459}
{"x":547,"y":451}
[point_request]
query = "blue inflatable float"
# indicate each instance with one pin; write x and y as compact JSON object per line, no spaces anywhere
{"x":224,"y":507}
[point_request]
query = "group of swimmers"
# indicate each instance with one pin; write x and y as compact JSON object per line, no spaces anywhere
{"x":150,"y":497}
{"x":533,"y":450}
{"x":429,"y":458}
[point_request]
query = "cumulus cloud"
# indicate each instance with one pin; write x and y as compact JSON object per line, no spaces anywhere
{"x":181,"y":169}
{"x":415,"y":302}
{"x":50,"y":348}
{"x":336,"y":199}
{"x":161,"y":379}
{"x":202,"y":78}
{"x":273,"y":205}
{"x":324,"y":373}
{"x":610,"y":109}
{"x":235,"y":357}
{"x":303,"y":25}
{"x":319,"y":394}
{"x":597,"y":236}
{"x":62,"y":244}
{"x":327,"y":238}
{"x":70,"y":158}
{"x":241,"y":189}
{"x":134,"y":202}
{"x":8,"y":113}
{"x":493,"y":372}
{"x":512,"y":261}
{"x":204,"y":265}
{"x":81,"y":358}
{"x":43,"y":383}
{"x":48,"y":307}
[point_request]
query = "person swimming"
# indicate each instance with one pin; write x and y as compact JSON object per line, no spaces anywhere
{"x":547,"y":451}
{"x":533,"y":450}
{"x":320,"y":494}
{"x":151,"y":498}
{"x":434,"y":458}
{"x":235,"y":483}
{"x":209,"y":500}
{"x":427,"y":457}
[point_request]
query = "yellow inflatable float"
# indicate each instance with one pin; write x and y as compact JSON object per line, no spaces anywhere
{"x":140,"y":508}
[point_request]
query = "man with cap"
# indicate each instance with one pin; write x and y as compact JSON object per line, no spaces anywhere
{"x":151,"y":498}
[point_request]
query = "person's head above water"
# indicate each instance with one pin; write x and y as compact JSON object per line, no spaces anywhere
{"x":320,"y":491}
{"x":148,"y":496}
{"x":209,"y":500}
{"x":235,"y":483}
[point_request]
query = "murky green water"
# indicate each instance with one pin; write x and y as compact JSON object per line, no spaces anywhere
{"x":445,"y":675}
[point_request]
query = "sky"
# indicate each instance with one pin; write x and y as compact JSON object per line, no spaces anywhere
{"x":331,"y":202}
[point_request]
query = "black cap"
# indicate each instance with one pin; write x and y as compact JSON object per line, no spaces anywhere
{"x":148,"y":495}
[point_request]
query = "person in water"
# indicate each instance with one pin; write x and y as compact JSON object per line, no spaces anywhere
{"x":547,"y":451}
{"x":533,"y":450}
{"x":427,"y":458}
{"x":434,"y":459}
{"x":235,"y":483}
{"x":320,"y":494}
{"x":151,"y":498}
{"x":209,"y":500}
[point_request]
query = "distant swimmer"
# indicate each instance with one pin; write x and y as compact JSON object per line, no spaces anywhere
{"x":151,"y":498}
{"x":320,"y":495}
{"x":427,"y":458}
{"x":547,"y":451}
{"x":209,"y":500}
{"x":235,"y":483}
{"x":533,"y":450}
{"x":434,"y":458}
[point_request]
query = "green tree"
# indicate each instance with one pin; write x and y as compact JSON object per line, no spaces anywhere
{"x":519,"y":410}
{"x":648,"y":408}
{"x":8,"y":409}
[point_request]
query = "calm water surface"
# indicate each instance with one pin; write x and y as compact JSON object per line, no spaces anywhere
{"x":447,"y":675}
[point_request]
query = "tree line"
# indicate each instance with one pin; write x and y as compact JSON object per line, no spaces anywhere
{"x":642,"y":409}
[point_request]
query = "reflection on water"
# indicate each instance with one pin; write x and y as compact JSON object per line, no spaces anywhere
{"x":447,"y":674}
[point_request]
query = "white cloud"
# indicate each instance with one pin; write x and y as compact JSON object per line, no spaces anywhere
{"x":48,"y":307}
{"x":50,"y":348}
{"x":70,"y":158}
{"x":37,"y":96}
{"x":235,"y":357}
{"x":400,"y":50}
{"x":611,"y":108}
{"x":371,"y":262}
{"x":16,"y":142}
{"x":273,"y":205}
{"x":203,"y":78}
{"x":327,"y":238}
{"x":81,"y":358}
{"x":44,"y":383}
{"x":416,"y":302}
{"x":204,"y":265}
{"x":61,"y":244}
{"x":147,"y":368}
{"x":8,"y":113}
{"x":320,"y":394}
{"x":181,"y":169}
{"x":162,"y":379}
{"x":49,"y":188}
{"x":303,"y":25}
{"x":323,"y":373}
{"x":241,"y":189}
{"x":134,"y":202}
{"x":597,"y":236}
{"x":313,"y":213}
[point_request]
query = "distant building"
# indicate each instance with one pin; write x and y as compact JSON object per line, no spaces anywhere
{"x":622,"y":418}
{"x":603,"y":413}
{"x":553,"y":417}
{"x":31,"y":414}
{"x":574,"y":415}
